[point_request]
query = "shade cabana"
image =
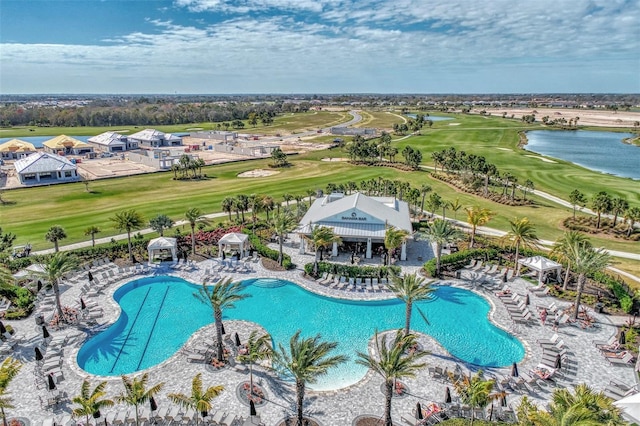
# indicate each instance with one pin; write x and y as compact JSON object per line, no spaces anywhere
{"x":234,"y":241}
{"x":542,"y":265}
{"x":630,"y":406}
{"x":161,"y":247}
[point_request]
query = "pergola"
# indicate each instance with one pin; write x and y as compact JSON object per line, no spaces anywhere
{"x":542,"y":265}
{"x":234,"y":241}
{"x":162,"y":245}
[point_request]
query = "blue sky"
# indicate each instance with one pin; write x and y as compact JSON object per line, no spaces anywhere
{"x":319,"y":46}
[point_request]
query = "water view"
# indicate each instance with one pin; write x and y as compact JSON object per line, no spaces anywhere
{"x":431,"y":117}
{"x":600,"y":151}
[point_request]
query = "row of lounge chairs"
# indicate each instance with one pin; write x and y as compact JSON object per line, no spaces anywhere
{"x":614,"y":353}
{"x":516,"y":307}
{"x":490,"y":269}
{"x":353,"y":284}
{"x":617,"y":390}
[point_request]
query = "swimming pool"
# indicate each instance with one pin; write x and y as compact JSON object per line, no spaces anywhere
{"x":159,"y":314}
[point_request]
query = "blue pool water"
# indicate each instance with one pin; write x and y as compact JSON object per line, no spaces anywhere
{"x":159,"y":314}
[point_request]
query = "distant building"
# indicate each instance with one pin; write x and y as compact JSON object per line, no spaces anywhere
{"x":226,"y":137}
{"x":151,"y":138}
{"x":43,"y":167}
{"x":16,"y":149}
{"x":352,"y":131}
{"x":112,"y":142}
{"x":66,"y":145}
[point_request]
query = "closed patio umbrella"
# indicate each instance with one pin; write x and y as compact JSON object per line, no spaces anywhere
{"x":622,"y":339}
{"x":514,"y":370}
{"x":3,"y":329}
{"x":419,"y":415}
{"x":90,"y":275}
{"x":152,"y":404}
{"x":97,"y":414}
{"x":39,"y":356}
{"x":83,"y":305}
{"x":237,"y":338}
{"x":503,"y":400}
{"x":447,"y":395}
{"x":45,"y":332}
{"x":252,"y":409}
{"x":51,"y":384}
{"x":223,"y":330}
{"x":527,"y":302}
{"x":558,"y":363}
{"x":39,"y":285}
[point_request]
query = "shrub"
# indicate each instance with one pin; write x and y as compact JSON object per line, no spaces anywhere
{"x":353,"y":271}
{"x":267,"y":252}
{"x":458,"y":259}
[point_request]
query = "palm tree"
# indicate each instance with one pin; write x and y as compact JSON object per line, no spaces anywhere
{"x":410,"y":288}
{"x":136,"y":392}
{"x":57,"y":266}
{"x":477,"y":216}
{"x":128,"y":220}
{"x":577,"y":198}
{"x":441,"y":232}
{"x":562,"y":248}
{"x":258,"y":348}
{"x":92,"y":230}
{"x":193,"y":216}
{"x":9,"y":369}
{"x":475,"y":391}
{"x":227,"y":205}
{"x":283,"y":223}
{"x":618,"y":206}
{"x":200,"y":399}
{"x":585,"y":260}
{"x":632,"y":215}
{"x":394,"y":238}
{"x":55,"y":234}
{"x":267,"y":205}
{"x":584,"y":407}
{"x":455,"y":207}
{"x":322,"y":237}
{"x":221,"y":296}
{"x":601,"y":203}
{"x":91,"y":402}
{"x":397,"y":360}
{"x":306,"y":360}
{"x":242,"y":203}
{"x":522,"y":233}
{"x":287,"y":198}
{"x":161,"y":222}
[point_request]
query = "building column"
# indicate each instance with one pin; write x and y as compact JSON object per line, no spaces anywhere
{"x":368,"y":254}
{"x":403,"y":251}
{"x":301,"y":250}
{"x":334,"y":249}
{"x":37,"y":177}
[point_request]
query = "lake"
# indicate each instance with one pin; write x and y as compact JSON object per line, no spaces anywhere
{"x":595,"y":150}
{"x":431,"y":117}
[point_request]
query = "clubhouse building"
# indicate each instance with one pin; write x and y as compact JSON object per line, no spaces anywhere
{"x":359,"y":220}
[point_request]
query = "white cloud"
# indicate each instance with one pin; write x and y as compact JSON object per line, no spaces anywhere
{"x":352,"y":46}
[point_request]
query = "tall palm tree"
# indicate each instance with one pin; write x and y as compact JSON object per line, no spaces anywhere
{"x":618,"y":206}
{"x":267,"y":205}
{"x":200,"y":399}
{"x":258,"y":348}
{"x":54,"y":268}
{"x":394,"y":238}
{"x":221,"y":296}
{"x":91,"y":402}
{"x":306,"y":360}
{"x":322,"y":237}
{"x":287,"y":198}
{"x":410,"y":288}
{"x":477,"y":216}
{"x":242,"y":202}
{"x":283,"y":223}
{"x":562,"y":248}
{"x":92,"y":231}
{"x":475,"y":391}
{"x":442,"y":232}
{"x":193,"y":216}
{"x":9,"y":369}
{"x":522,"y":233}
{"x":632,"y":215}
{"x":128,"y":220}
{"x":585,"y":260}
{"x":455,"y":207}
{"x":584,"y":407}
{"x":601,"y":203}
{"x":227,"y":205}
{"x":136,"y":392}
{"x":55,"y":234}
{"x":397,"y":360}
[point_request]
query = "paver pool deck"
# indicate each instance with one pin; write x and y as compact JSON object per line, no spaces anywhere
{"x":332,"y":408}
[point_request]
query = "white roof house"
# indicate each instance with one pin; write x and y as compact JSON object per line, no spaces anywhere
{"x":110,"y":142}
{"x":357,"y":217}
{"x":43,"y":167}
{"x":155,"y":138}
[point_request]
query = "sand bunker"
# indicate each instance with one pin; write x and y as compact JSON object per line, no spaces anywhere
{"x":504,"y":149}
{"x":546,"y":160}
{"x":257,"y":173}
{"x":454,"y":124}
{"x":335,"y":159}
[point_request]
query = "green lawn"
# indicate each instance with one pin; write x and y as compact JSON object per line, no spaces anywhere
{"x":380,"y":119}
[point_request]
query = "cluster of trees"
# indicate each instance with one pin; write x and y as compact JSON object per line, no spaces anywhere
{"x":279,"y":158}
{"x":572,"y":123}
{"x":474,"y":171}
{"x":187,"y":164}
{"x":603,"y":203}
{"x":145,"y":112}
{"x":374,"y":150}
{"x":413,"y":125}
